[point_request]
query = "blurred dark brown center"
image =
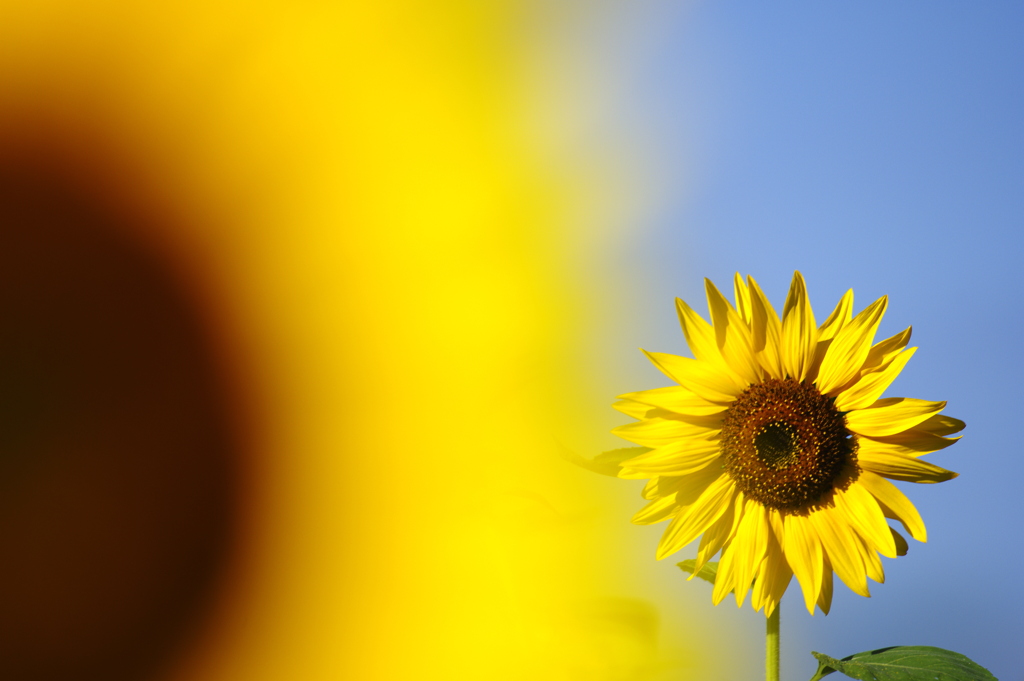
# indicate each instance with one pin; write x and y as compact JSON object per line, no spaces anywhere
{"x":116,"y":449}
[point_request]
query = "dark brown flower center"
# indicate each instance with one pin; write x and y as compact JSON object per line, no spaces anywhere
{"x":786,"y":444}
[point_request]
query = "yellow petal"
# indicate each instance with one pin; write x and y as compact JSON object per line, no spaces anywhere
{"x":677,"y":399}
{"x":742,"y":298}
{"x":748,"y":547}
{"x":864,"y":514}
{"x":901,"y":543}
{"x":799,"y":332}
{"x":842,"y":547}
{"x":766,"y":332}
{"x":820,"y":349}
{"x":913,"y":442}
{"x":656,"y":511}
{"x":894,"y":503}
{"x":773,"y":578}
{"x":689,"y":524}
{"x":658,"y":432}
{"x":650,"y":490}
{"x":838,"y":319}
{"x":710,"y":422}
{"x":690,"y":487}
{"x":759,"y":589}
{"x":632,"y":408}
{"x":871,"y":386}
{"x":898,"y":467}
{"x":732,"y":335}
{"x":891,"y":415}
{"x":778,"y":525}
{"x":699,"y":377}
{"x":663,"y":485}
{"x":716,"y":536}
{"x":725,"y":577}
{"x":677,"y":458}
{"x":804,"y":552}
{"x":848,"y":350}
{"x":872,"y":563}
{"x":883,"y":352}
{"x":941,"y":424}
{"x":700,"y":335}
{"x":825,"y":597}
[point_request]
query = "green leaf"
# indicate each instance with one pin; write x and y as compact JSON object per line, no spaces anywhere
{"x":904,"y":663}
{"x":607,"y":463}
{"x":707,"y":573}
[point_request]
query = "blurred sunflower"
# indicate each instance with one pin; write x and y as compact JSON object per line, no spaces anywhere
{"x":776,"y":445}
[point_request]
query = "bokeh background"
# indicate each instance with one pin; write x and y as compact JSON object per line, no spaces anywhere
{"x":302,"y":304}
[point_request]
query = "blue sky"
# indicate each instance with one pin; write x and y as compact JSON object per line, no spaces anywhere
{"x":874,"y":146}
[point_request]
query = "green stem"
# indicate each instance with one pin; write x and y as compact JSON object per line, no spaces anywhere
{"x":771,"y":656}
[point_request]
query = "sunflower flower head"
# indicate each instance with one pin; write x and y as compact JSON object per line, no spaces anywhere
{"x":776,"y":448}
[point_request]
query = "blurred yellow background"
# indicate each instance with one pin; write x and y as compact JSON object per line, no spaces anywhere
{"x":381,"y":272}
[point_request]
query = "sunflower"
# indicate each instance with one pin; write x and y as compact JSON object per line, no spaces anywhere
{"x":776,"y":447}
